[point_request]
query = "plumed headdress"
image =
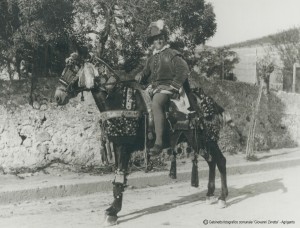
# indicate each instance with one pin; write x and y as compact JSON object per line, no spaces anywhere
{"x":156,"y":29}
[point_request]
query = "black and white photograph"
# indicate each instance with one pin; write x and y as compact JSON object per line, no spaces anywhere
{"x":149,"y":113}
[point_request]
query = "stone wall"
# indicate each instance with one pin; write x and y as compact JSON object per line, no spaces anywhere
{"x":291,"y":117}
{"x":34,"y":137}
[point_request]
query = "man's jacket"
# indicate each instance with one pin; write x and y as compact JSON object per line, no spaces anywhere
{"x":166,"y":67}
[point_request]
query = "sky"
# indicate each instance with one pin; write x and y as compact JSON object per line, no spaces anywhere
{"x":241,"y":20}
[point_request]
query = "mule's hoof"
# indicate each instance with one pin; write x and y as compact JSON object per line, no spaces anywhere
{"x":110,"y":220}
{"x":211,"y":200}
{"x":221,"y":204}
{"x":172,"y":176}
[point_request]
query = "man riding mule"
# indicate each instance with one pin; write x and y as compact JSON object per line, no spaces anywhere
{"x":166,"y":71}
{"x":126,"y":112}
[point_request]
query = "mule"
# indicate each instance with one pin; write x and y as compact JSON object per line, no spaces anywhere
{"x":127,"y":126}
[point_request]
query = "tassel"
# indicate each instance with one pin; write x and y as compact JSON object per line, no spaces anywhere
{"x":195,"y":176}
{"x":173,"y":169}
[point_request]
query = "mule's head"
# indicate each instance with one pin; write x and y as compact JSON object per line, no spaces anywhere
{"x":67,"y":87}
{"x":75,"y":80}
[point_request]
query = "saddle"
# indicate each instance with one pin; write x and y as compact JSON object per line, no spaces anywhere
{"x":190,"y":111}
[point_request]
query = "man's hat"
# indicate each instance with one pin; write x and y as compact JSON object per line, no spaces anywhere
{"x":156,"y":29}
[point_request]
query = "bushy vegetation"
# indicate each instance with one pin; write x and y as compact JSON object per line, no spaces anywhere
{"x":238,"y":99}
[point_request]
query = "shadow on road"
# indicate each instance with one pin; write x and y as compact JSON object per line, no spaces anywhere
{"x":255,"y":189}
{"x":271,"y":155}
{"x":199,"y":196}
{"x":241,"y":194}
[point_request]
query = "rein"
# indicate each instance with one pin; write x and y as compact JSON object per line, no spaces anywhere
{"x":111,"y":70}
{"x":119,"y":81}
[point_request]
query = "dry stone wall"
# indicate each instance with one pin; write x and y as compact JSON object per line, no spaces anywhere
{"x":291,"y":117}
{"x":34,"y":137}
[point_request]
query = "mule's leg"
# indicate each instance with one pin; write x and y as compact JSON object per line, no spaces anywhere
{"x":210,"y":197}
{"x":119,"y":183}
{"x":221,"y":164}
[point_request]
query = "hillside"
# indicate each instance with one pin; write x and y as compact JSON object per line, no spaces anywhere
{"x":262,"y":40}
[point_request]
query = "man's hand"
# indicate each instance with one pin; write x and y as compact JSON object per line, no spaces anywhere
{"x":174,"y":89}
{"x":139,"y":77}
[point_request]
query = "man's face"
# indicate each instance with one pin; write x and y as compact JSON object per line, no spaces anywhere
{"x":159,"y":42}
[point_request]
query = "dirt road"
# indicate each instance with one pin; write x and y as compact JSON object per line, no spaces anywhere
{"x":266,"y":199}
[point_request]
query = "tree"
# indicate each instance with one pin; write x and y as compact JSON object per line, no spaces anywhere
{"x":120,"y":26}
{"x":43,"y":32}
{"x":264,"y":68}
{"x":8,"y":25}
{"x":35,"y":31}
{"x":217,"y":62}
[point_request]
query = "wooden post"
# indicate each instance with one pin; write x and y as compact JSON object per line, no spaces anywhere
{"x":251,"y":134}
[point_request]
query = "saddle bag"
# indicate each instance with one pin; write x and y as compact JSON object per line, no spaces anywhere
{"x":120,"y":123}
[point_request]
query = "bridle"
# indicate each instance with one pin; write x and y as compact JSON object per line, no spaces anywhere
{"x":69,"y":78}
{"x":68,"y":81}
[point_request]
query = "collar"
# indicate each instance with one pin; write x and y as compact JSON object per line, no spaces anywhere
{"x":158,"y":51}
